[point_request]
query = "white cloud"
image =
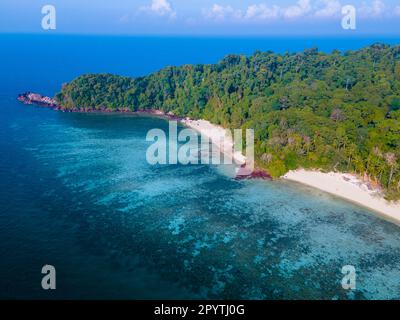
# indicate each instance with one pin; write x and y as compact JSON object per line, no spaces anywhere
{"x":374,"y":9}
{"x":262,"y":12}
{"x":258,"y":12}
{"x":396,"y":11}
{"x":300,"y":9}
{"x":221,"y":13}
{"x":160,"y":8}
{"x":255,"y":12}
{"x":331,"y":8}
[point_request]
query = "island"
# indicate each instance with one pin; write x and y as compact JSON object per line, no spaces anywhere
{"x":316,"y":115}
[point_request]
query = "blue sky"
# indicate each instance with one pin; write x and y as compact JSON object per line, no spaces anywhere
{"x":197,"y":17}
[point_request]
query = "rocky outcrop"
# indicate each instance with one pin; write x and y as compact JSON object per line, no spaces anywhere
{"x":37,"y":99}
{"x":244,"y":173}
{"x":32,"y":98}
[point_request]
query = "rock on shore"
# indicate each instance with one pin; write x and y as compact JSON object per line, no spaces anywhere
{"x":244,"y":173}
{"x":38,"y":99}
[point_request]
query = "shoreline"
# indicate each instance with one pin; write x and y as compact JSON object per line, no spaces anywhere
{"x":213,"y":132}
{"x":216,"y":134}
{"x":349,"y":187}
{"x":342,"y":185}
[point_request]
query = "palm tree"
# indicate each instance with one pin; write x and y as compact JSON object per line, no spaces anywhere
{"x":391,"y":160}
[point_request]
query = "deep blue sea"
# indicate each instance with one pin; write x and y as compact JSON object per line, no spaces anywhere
{"x":76,"y":192}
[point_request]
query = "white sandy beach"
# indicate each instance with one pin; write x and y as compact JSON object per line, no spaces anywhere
{"x":349,"y":187}
{"x":342,"y":185}
{"x":218,"y":136}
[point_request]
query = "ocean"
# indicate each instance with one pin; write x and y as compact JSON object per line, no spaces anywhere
{"x":77,"y":193}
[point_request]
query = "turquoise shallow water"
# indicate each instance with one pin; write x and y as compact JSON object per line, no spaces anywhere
{"x":77,"y":193}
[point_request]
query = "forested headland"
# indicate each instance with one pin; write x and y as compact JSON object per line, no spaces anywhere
{"x":337,"y":111}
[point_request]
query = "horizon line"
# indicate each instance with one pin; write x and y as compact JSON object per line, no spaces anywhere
{"x":208,"y":35}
